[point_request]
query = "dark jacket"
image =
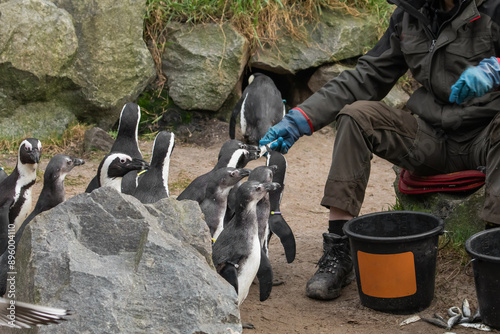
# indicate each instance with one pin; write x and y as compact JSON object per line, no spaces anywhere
{"x":436,"y":56}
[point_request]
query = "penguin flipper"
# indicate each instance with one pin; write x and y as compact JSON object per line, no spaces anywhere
{"x":279,"y":226}
{"x":93,"y":185}
{"x":230,"y":274}
{"x":265,"y":277}
{"x":4,"y":226}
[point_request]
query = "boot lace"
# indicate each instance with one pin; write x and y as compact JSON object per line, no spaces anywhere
{"x":333,"y":258}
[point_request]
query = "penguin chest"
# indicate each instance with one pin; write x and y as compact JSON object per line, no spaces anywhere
{"x":248,"y":269}
{"x":22,"y":206}
{"x":114,"y":183}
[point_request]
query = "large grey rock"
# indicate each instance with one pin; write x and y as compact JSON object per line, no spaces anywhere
{"x":336,"y":37}
{"x":125,"y":268}
{"x":86,"y":57}
{"x":203,"y":63}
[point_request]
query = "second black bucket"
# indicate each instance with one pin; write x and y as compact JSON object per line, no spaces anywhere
{"x":484,"y":249}
{"x":394,"y":255}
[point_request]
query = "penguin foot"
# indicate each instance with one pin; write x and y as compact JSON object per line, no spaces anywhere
{"x":248,"y":325}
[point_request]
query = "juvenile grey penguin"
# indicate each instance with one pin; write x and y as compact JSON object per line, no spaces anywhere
{"x":114,"y":166}
{"x":237,"y":252}
{"x":51,"y":195}
{"x":127,"y":138}
{"x":233,"y":153}
{"x":29,"y":315}
{"x":16,"y":189}
{"x":215,"y":203}
{"x":260,"y":107}
{"x":153,"y":184}
{"x":277,"y":223}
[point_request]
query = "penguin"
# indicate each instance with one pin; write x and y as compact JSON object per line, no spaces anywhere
{"x":277,"y":223}
{"x":114,"y":166}
{"x":215,"y":203}
{"x":260,"y":107}
{"x":236,"y":253}
{"x":233,"y":153}
{"x":16,"y":189}
{"x":127,"y":138}
{"x":3,"y":174}
{"x":153,"y":184}
{"x":28,"y":315}
{"x":51,"y":195}
{"x":264,"y":174}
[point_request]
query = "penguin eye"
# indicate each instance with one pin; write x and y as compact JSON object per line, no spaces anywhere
{"x":123,"y":160}
{"x":26,"y":148}
{"x":69,"y":162}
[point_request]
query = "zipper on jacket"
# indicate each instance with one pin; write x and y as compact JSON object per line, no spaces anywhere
{"x":433,"y":46}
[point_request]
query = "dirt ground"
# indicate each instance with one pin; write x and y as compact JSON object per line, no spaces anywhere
{"x":288,"y":310}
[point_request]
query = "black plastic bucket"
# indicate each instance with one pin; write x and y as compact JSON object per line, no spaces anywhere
{"x":394,"y":255}
{"x":484,"y":249}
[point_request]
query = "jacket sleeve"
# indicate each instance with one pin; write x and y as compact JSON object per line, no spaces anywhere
{"x":372,"y":79}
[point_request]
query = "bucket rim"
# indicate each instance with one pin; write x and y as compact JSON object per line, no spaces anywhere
{"x":439,"y":229}
{"x":476,"y":255}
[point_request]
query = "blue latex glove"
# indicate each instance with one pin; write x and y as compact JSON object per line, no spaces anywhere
{"x":284,"y":134}
{"x":476,"y":81}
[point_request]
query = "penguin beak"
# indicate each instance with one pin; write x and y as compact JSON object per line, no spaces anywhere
{"x":35,"y":155}
{"x":138,"y":164}
{"x":244,"y":172}
{"x":78,"y":162}
{"x":272,"y":186}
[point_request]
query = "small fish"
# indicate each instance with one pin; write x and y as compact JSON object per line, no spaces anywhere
{"x":410,"y":320}
{"x":455,"y":315}
{"x":437,"y":316}
{"x":481,"y":327}
{"x":466,"y":308}
{"x":436,"y":322}
{"x":265,"y":148}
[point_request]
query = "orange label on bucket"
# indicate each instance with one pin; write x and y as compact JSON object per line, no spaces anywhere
{"x":387,"y":275}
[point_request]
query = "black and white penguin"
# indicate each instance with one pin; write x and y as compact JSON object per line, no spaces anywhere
{"x":233,"y":153}
{"x":236,"y":253}
{"x":15,"y":189}
{"x":29,"y":315}
{"x":215,"y":203}
{"x":153,"y":184}
{"x":51,"y":195}
{"x":277,"y":223}
{"x":114,"y":166}
{"x":260,"y":107}
{"x":127,"y":138}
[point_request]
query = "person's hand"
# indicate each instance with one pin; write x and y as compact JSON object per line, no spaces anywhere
{"x":476,"y":81}
{"x":284,"y":134}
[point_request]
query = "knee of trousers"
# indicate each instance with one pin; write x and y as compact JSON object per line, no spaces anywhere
{"x":364,"y":113}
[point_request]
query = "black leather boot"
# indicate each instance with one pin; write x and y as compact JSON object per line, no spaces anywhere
{"x":335,"y":269}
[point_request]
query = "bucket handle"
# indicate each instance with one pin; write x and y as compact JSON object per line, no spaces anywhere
{"x":448,"y":238}
{"x":467,"y":268}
